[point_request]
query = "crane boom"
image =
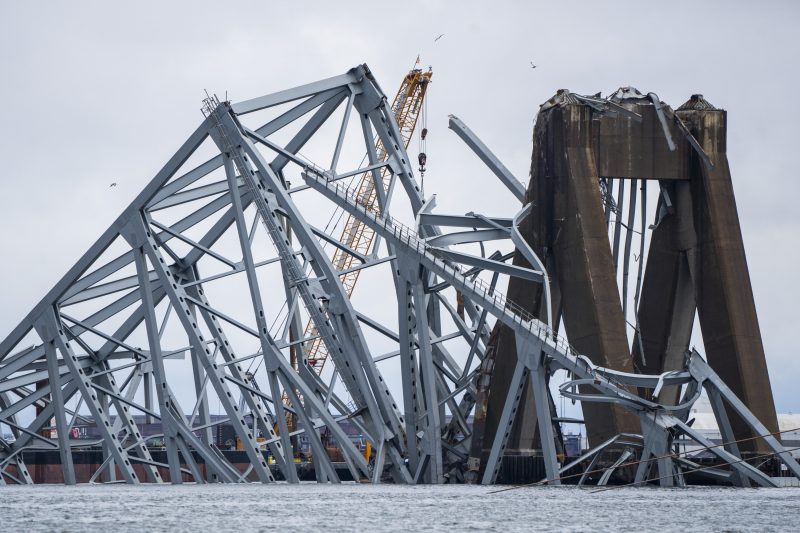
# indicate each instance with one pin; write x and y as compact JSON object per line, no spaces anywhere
{"x":406,"y":107}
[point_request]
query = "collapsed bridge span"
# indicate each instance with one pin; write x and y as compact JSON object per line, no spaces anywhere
{"x":197,"y":296}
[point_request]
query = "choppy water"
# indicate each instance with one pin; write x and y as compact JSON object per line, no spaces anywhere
{"x":365,"y":508}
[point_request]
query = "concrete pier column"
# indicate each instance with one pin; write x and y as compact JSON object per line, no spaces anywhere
{"x":731,"y":334}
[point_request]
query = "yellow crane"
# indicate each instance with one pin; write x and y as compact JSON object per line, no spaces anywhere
{"x":407,"y":107}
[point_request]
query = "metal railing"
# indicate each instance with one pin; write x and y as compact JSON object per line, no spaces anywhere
{"x":473,"y":284}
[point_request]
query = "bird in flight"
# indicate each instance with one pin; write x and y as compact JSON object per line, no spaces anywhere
{"x":113,"y":184}
{"x":532,"y":65}
{"x":439,"y":37}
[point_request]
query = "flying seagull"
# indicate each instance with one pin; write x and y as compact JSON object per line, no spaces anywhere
{"x":439,"y":37}
{"x":113,"y":184}
{"x":532,"y":65}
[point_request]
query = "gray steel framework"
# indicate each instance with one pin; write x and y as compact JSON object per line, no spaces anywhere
{"x":150,"y":280}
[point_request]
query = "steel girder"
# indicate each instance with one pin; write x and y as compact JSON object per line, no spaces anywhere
{"x":153,"y":280}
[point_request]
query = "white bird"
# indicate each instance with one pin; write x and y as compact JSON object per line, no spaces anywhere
{"x":113,"y":184}
{"x":532,"y":65}
{"x":439,"y":37}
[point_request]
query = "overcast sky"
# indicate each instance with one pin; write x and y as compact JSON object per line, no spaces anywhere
{"x":95,"y":93}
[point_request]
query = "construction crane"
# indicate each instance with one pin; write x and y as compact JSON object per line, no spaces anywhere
{"x":407,"y":108}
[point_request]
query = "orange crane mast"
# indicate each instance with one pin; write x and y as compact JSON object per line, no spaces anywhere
{"x":407,"y":107}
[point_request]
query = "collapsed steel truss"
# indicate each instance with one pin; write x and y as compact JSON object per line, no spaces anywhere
{"x":79,"y":351}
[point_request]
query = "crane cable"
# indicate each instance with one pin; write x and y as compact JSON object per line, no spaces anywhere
{"x":422,"y":158}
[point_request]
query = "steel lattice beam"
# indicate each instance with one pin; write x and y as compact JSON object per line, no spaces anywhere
{"x":145,"y":301}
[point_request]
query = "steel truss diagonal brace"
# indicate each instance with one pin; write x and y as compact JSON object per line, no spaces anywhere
{"x":350,"y":348}
{"x":419,"y":382}
{"x":84,"y":383}
{"x":179,"y":299}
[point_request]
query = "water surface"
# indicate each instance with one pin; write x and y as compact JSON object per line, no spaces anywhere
{"x":367,"y":508}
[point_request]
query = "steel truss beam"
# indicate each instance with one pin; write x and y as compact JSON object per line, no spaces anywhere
{"x":134,"y":307}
